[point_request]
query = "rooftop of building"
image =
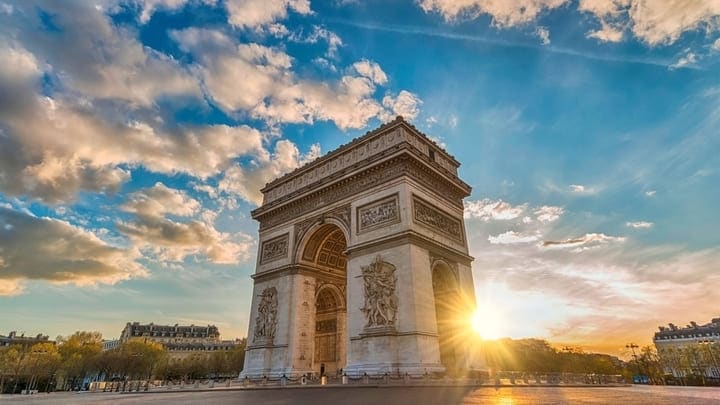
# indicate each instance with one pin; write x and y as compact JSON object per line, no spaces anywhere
{"x":691,"y":330}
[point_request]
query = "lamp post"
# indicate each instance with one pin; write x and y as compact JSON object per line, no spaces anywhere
{"x":632,"y":347}
{"x":707,"y":343}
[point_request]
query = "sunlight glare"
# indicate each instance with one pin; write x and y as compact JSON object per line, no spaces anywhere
{"x":487,"y":323}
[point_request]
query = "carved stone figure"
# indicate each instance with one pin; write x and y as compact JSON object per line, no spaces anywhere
{"x":266,"y":320}
{"x":380,"y":299}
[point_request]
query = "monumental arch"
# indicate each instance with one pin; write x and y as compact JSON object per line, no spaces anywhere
{"x":363,"y":263}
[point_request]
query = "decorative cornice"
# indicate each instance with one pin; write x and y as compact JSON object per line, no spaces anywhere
{"x":405,"y":237}
{"x":404,"y":164}
{"x":298,"y":269}
{"x":352,"y":152}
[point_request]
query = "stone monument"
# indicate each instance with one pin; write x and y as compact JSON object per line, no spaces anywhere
{"x":363,"y":265}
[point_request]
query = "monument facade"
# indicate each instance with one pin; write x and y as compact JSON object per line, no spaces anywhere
{"x":363,"y":264}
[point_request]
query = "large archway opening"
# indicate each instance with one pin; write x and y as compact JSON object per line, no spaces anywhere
{"x":448,"y":312}
{"x":325,"y":253}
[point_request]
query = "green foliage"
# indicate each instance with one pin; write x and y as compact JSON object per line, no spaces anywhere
{"x":538,"y":356}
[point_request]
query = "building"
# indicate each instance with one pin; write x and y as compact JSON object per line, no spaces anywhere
{"x":693,"y":349}
{"x":13,"y":339}
{"x":110,"y":344}
{"x":180,"y":341}
{"x":363,"y":264}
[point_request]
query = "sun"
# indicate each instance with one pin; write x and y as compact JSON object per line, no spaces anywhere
{"x":487,"y":323}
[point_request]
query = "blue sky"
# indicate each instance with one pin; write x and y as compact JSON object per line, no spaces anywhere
{"x":135,"y":136}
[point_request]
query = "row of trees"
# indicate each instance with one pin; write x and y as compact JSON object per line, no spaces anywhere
{"x":47,"y":366}
{"x":539,"y":356}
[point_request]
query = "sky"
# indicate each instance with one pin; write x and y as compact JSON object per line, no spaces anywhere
{"x":135,"y":136}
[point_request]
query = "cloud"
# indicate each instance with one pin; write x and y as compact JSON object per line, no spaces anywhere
{"x":639,"y":224}
{"x":582,"y":243}
{"x":582,"y":189}
{"x":246,"y":182}
{"x":548,"y":213}
{"x":104,"y":61}
{"x":653,"y":22}
{"x":688,"y":59}
{"x":405,"y":104}
{"x":260,"y":80}
{"x":371,"y":70}
{"x":173,"y":241}
{"x":544,"y":34}
{"x":512,"y":238}
{"x":160,"y":200}
{"x":650,"y":193}
{"x":716,"y":45}
{"x":503,"y":13}
{"x":149,"y":7}
{"x":487,"y":209}
{"x":33,"y":248}
{"x":257,"y":13}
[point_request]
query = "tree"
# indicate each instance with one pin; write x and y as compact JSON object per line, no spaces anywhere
{"x":79,"y":352}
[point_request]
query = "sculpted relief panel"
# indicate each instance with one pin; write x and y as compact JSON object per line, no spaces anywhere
{"x":379,"y":284}
{"x":378,"y":213}
{"x":266,"y":320}
{"x":437,"y":220}
{"x":274,"y":249}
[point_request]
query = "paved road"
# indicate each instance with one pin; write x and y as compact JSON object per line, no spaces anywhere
{"x":394,"y":396}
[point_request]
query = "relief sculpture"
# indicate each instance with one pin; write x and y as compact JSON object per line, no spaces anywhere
{"x":380,"y":298}
{"x":266,"y":320}
{"x":377,"y":214}
{"x":274,"y":249}
{"x":437,"y":220}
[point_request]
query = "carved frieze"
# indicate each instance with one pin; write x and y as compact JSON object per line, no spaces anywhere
{"x":274,"y":249}
{"x":381,"y":302}
{"x":362,"y":182}
{"x":436,"y":219}
{"x":378,"y":213}
{"x":266,"y":319}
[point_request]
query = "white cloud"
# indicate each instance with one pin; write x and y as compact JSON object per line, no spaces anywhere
{"x":246,"y":182}
{"x":582,"y":189}
{"x":650,"y":193}
{"x":548,"y":213}
{"x":149,"y":7}
{"x":260,"y":80}
{"x":406,"y":104}
{"x":716,"y":45}
{"x":653,"y":22}
{"x":173,"y":241}
{"x":688,"y":59}
{"x":160,"y":200}
{"x":104,"y":61}
{"x":487,"y":209}
{"x":544,"y":34}
{"x":371,"y":70}
{"x":503,"y":13}
{"x":582,"y":243}
{"x":639,"y":224}
{"x":512,"y":237}
{"x":52,"y":250}
{"x":257,"y":13}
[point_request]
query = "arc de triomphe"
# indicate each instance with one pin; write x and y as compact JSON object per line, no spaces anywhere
{"x":363,"y":263}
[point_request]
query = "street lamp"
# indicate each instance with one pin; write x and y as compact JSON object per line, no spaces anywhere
{"x":633,"y":346}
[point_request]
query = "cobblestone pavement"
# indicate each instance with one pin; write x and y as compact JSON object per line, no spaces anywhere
{"x":394,"y":396}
